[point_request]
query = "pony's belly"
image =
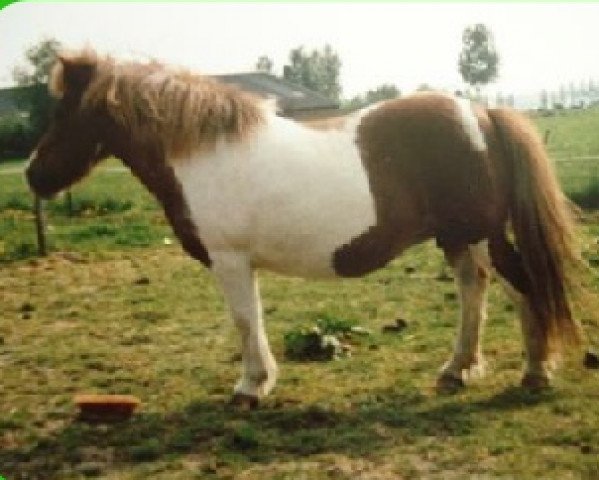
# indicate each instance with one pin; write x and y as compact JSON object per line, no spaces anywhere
{"x":299,"y":236}
{"x":280,"y":231}
{"x":297,"y":229}
{"x":298,"y":253}
{"x":312,"y":266}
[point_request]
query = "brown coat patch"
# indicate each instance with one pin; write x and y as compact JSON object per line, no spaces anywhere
{"x":147,"y":161}
{"x":426,"y":178}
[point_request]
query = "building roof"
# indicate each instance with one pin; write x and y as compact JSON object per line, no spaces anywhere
{"x":290,"y":96}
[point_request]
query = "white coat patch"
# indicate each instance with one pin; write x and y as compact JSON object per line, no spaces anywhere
{"x":470,"y":124}
{"x":289,"y":196}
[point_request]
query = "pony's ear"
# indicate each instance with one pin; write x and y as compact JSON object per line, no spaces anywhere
{"x":72,"y":72}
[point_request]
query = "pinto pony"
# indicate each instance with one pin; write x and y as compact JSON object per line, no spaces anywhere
{"x":245,"y":189}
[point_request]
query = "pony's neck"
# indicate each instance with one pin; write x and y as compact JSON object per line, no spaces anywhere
{"x":150,"y":166}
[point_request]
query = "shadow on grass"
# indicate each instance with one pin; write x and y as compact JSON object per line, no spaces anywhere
{"x":271,"y":432}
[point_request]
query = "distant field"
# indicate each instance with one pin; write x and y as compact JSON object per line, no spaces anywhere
{"x":572,"y":133}
{"x":574,"y":145}
{"x":116,"y":308}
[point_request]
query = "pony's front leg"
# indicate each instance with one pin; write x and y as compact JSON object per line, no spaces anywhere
{"x":240,"y":287}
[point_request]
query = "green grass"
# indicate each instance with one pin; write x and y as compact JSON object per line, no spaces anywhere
{"x":571,"y":138}
{"x":115,"y":309}
{"x":110,"y":210}
{"x":89,"y":325}
{"x":571,"y":133}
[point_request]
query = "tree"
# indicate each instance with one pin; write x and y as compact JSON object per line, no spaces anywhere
{"x":35,"y":99}
{"x":562,"y":95}
{"x":572,"y":93}
{"x":478,"y":61}
{"x":264,"y":64}
{"x":424,"y":87}
{"x":317,"y":70}
{"x":544,"y":99}
{"x":385,"y":91}
{"x":40,"y":57}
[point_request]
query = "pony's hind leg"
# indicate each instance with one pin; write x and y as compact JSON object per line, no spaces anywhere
{"x":240,"y":287}
{"x":539,"y":360}
{"x":472,"y":273}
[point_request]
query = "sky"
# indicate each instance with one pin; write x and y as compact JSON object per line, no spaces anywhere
{"x":540,"y":45}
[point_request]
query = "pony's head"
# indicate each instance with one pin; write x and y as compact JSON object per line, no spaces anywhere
{"x":74,"y":140}
{"x":134,"y":111}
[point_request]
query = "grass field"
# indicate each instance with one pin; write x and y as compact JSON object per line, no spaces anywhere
{"x":572,"y":142}
{"x":118,"y":308}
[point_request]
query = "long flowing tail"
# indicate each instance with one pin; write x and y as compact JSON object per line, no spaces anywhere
{"x":543,"y":227}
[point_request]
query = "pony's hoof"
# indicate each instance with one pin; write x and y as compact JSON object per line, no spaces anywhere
{"x":535,"y":382}
{"x":244,"y":401}
{"x":448,"y":383}
{"x":476,"y":371}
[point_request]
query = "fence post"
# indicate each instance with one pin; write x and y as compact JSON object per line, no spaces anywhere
{"x":40,"y":226}
{"x":68,"y":200}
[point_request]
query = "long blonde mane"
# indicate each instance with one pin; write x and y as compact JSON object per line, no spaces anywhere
{"x":182,"y":111}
